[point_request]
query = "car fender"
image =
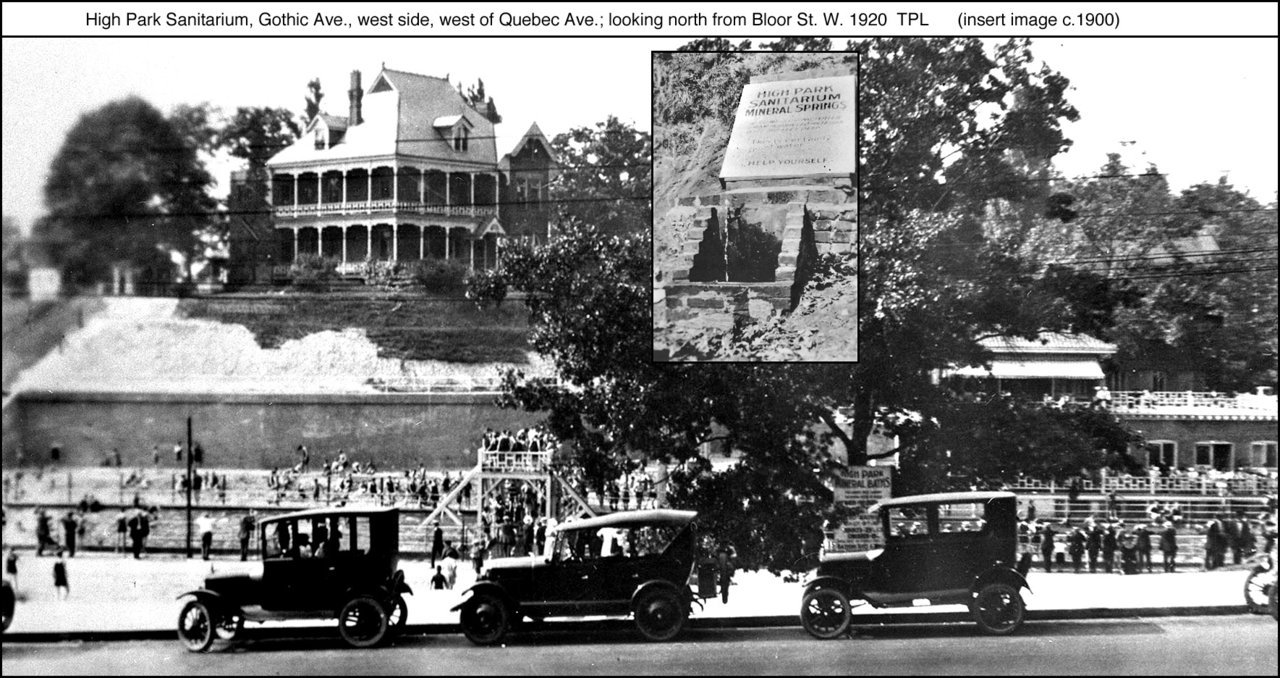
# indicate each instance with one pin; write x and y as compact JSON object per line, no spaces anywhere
{"x":403,"y":588}
{"x":829,"y":582}
{"x":203,"y":595}
{"x":685,"y":594}
{"x":485,"y":587}
{"x":1000,"y":574}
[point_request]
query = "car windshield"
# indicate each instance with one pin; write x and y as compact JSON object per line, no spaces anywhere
{"x":626,"y":541}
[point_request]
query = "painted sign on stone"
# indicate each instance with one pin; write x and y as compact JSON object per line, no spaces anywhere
{"x":793,"y":128}
{"x":857,"y":490}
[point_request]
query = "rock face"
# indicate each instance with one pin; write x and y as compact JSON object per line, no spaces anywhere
{"x":138,"y":345}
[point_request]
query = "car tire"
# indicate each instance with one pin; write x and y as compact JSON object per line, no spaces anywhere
{"x":485,"y":618}
{"x":363,"y":622}
{"x":998,"y":609}
{"x":398,"y":615}
{"x":660,"y":614}
{"x":1275,"y":613}
{"x":228,"y":625}
{"x":7,"y":606}
{"x":825,"y":613}
{"x":196,"y":626}
{"x":1255,"y":590}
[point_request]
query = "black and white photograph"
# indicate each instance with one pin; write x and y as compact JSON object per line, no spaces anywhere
{"x":728,"y":340}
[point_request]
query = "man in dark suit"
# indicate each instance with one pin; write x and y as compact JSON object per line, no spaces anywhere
{"x":1109,"y":546}
{"x":1094,"y":545}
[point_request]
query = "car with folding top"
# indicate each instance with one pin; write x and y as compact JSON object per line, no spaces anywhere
{"x":337,"y":563}
{"x":939,"y":549}
{"x":629,"y":563}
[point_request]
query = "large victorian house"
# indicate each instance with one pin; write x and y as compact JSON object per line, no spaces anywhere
{"x":412,"y":172}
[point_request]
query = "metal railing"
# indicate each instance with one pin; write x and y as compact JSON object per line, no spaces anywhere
{"x":1184,"y":401}
{"x":371,"y":206}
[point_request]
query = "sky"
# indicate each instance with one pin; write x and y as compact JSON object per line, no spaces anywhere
{"x":1196,"y":107}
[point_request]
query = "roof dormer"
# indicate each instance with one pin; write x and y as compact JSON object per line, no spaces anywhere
{"x":456,"y":129}
{"x":327,"y":130}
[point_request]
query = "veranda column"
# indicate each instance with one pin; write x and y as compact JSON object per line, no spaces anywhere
{"x":295,"y":243}
{"x":448,"y":179}
{"x":295,"y":195}
{"x":319,"y":187}
{"x":473,"y":255}
{"x":496,"y":181}
{"x":471,"y":176}
{"x":344,"y":202}
{"x":320,"y":241}
{"x":395,"y":186}
{"x":446,"y":243}
{"x":344,"y":228}
{"x":422,"y":242}
{"x":368,"y":191}
{"x":368,"y":246}
{"x":395,"y":241}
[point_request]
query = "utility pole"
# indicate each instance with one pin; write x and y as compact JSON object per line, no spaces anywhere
{"x":190,"y":454}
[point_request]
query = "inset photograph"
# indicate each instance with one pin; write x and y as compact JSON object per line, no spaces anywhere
{"x":756,"y":219}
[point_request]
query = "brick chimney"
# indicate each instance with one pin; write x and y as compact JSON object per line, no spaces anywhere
{"x":355,"y":94}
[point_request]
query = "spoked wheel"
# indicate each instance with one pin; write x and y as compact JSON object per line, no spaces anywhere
{"x":7,"y":602}
{"x":1257,"y":588}
{"x":228,"y":625}
{"x":195,"y":626}
{"x":660,"y":615}
{"x":398,"y":617}
{"x":485,"y":619}
{"x":825,"y":613}
{"x":998,"y":609}
{"x":363,"y":622}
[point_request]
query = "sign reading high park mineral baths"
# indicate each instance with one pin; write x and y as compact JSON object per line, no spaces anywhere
{"x":794,"y":128}
{"x":856,"y":490}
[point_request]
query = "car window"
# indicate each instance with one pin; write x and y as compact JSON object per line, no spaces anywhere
{"x":360,"y":526}
{"x":961,"y":518}
{"x":579,"y":544}
{"x":277,"y":539}
{"x":907,"y":522}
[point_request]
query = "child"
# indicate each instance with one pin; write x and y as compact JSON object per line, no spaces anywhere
{"x":60,"y":577}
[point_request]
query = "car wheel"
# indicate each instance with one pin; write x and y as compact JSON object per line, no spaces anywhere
{"x":398,"y":618}
{"x":1255,"y":590}
{"x":825,"y":613}
{"x":1275,"y":614}
{"x":195,"y":626}
{"x":362,"y":622}
{"x":485,"y":619}
{"x":229,"y":625}
{"x":6,"y":606}
{"x":660,"y":614}
{"x":998,"y":609}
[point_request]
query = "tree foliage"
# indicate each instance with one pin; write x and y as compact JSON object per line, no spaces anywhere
{"x":605,"y":177}
{"x":127,"y":185}
{"x":254,"y":134}
{"x":312,"y":107}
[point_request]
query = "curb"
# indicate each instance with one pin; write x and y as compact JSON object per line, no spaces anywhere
{"x":775,"y":621}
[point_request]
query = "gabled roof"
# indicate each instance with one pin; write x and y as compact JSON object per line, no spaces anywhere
{"x":400,"y":112}
{"x":1054,"y":343}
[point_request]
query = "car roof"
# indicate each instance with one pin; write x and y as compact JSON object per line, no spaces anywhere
{"x":326,"y":512}
{"x":646,"y":517}
{"x":943,"y":498}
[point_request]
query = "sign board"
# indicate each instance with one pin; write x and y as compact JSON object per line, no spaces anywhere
{"x":794,"y":128}
{"x":857,"y":490}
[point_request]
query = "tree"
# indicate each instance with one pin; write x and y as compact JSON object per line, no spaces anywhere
{"x":313,"y":102}
{"x":126,"y":186}
{"x":605,"y":177}
{"x":255,"y":134}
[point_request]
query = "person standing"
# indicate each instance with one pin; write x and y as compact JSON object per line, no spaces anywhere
{"x":437,"y":543}
{"x":11,"y":566}
{"x":449,"y":561}
{"x":1046,"y":545}
{"x":1169,"y":546}
{"x":69,"y":526}
{"x":246,"y":532}
{"x":1214,"y":545}
{"x":438,"y":581}
{"x":1128,"y":542}
{"x":155,"y":455}
{"x":136,"y":532}
{"x":1075,"y":547}
{"x":1093,"y":544}
{"x":1109,"y":546}
{"x":177,"y":452}
{"x":725,"y":555}
{"x":205,"y":524}
{"x":60,"y":578}
{"x":1144,"y":547}
{"x":122,"y":529}
{"x":44,"y":531}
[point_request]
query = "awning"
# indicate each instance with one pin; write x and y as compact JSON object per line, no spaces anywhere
{"x":1003,"y":368}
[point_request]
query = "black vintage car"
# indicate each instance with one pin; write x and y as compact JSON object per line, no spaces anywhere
{"x":333,"y":563}
{"x":949,"y":548}
{"x":627,"y":563}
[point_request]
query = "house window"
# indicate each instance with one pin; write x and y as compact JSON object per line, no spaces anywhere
{"x":1263,"y":453}
{"x":460,"y":139}
{"x":1162,"y":452}
{"x":1214,"y":454}
{"x":320,"y":140}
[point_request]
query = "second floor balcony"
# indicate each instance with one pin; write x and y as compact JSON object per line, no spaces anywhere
{"x":383,"y":207}
{"x":383,"y":190}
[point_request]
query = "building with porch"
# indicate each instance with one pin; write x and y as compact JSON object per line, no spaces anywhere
{"x":410,"y":173}
{"x":1053,"y":365}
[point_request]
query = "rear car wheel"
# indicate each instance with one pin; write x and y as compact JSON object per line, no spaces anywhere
{"x":485,"y":618}
{"x":825,"y":613}
{"x":1256,"y":590}
{"x":362,"y":622}
{"x":660,"y":615}
{"x":195,"y":626}
{"x":998,"y":609}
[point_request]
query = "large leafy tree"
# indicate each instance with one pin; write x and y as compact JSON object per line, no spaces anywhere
{"x":254,"y":134}
{"x":605,"y":176}
{"x":126,"y":186}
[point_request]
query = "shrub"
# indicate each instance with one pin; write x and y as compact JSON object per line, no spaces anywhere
{"x":313,"y":273}
{"x":440,"y":275}
{"x":486,"y":288}
{"x":380,"y":273}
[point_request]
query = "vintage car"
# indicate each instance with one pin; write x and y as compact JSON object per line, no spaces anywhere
{"x":626,"y":563}
{"x":939,"y":549}
{"x":7,"y":601}
{"x":326,"y":563}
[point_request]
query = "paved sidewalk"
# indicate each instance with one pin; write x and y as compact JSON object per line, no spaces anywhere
{"x":112,"y":595}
